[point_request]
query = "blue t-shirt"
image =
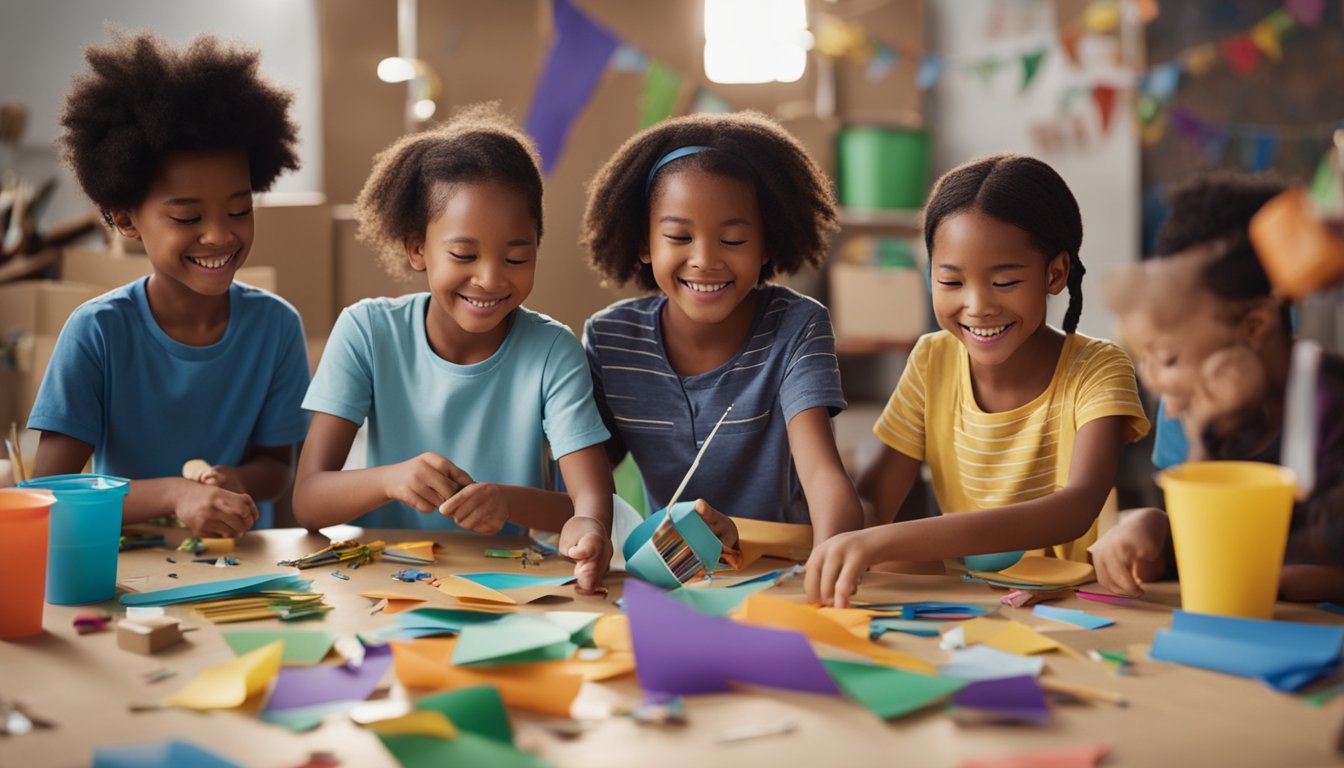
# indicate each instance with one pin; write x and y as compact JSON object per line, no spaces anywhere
{"x":1170,"y":445}
{"x":488,"y":418}
{"x":787,"y":366}
{"x":148,"y":404}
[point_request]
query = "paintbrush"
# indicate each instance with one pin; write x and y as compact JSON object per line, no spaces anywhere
{"x":696,"y":463}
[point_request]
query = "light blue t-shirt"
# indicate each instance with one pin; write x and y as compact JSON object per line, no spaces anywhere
{"x":787,"y":366}
{"x":488,"y":418}
{"x":1170,"y":445}
{"x":148,"y":404}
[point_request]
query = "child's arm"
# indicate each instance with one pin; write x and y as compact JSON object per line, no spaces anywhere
{"x":834,"y":569}
{"x":205,"y":510}
{"x":264,"y":475}
{"x":884,"y":483}
{"x":831,"y":500}
{"x":325,"y":495}
{"x":586,"y":537}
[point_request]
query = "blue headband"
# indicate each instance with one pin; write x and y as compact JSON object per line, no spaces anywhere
{"x":675,"y":154}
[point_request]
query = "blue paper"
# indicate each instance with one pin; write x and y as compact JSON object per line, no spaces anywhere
{"x":217,"y":589}
{"x":428,"y":622}
{"x":642,"y":558}
{"x":1079,"y":618}
{"x":920,"y":609}
{"x":164,"y":754}
{"x":880,"y":625}
{"x":1285,"y":655}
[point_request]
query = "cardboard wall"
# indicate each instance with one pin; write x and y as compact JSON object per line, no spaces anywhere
{"x":495,"y":51}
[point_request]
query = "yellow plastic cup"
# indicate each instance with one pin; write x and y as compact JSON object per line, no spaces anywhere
{"x":23,"y":568}
{"x":1229,"y":526}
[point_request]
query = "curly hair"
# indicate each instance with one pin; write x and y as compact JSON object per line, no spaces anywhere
{"x":143,"y":99}
{"x":1026,"y":193}
{"x":1217,"y":207}
{"x":412,"y":179}
{"x":795,"y":198}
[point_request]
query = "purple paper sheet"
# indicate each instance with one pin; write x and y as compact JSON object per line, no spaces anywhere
{"x":1018,"y":699}
{"x":305,"y":687}
{"x":681,"y":651}
{"x":573,"y":69}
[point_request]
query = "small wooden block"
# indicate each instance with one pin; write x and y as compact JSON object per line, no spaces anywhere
{"x":148,"y":635}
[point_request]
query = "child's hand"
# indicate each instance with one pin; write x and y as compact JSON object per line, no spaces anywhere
{"x":722,"y":525}
{"x":585,"y":542}
{"x":1131,"y":552}
{"x":424,"y":482}
{"x":837,"y":566}
{"x":479,"y":507}
{"x":224,"y":477}
{"x":212,"y":512}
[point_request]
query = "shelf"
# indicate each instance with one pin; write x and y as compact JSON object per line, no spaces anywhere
{"x":904,"y":221}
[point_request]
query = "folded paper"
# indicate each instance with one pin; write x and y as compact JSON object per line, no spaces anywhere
{"x":1285,"y":655}
{"x":672,"y":547}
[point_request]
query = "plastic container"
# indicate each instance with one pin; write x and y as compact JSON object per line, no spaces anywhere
{"x":85,"y":534}
{"x":1229,"y":526}
{"x":883,"y":167}
{"x":23,"y":569}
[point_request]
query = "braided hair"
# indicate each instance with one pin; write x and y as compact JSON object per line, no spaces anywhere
{"x":1026,"y":193}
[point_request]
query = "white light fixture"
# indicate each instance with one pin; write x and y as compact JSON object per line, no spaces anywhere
{"x":395,"y":69}
{"x":756,"y":41}
{"x":423,"y":88}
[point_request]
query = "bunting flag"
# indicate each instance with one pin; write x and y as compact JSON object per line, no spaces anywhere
{"x":573,"y":68}
{"x":1031,"y":63}
{"x":1200,"y":59}
{"x":1266,"y":39}
{"x":1308,"y":13}
{"x":930,"y":69}
{"x":1239,"y":52}
{"x":1258,"y":153}
{"x":883,"y":60}
{"x":1209,"y":138}
{"x":1068,"y":40}
{"x":985,"y":69}
{"x":628,"y":58}
{"x":1161,"y":82}
{"x":1104,"y":97}
{"x":659,"y":99}
{"x":708,"y":101}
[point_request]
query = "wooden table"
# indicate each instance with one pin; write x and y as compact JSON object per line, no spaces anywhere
{"x":1177,"y":715}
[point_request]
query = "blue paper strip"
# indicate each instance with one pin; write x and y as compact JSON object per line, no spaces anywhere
{"x":1285,"y":655}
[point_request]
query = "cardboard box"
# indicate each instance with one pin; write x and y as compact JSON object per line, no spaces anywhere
{"x":888,"y":305}
{"x":148,"y":635}
{"x":294,"y":237}
{"x":32,"y":313}
{"x":359,"y":274}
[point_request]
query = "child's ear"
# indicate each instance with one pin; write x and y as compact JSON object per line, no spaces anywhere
{"x":1057,"y":273}
{"x":122,"y":221}
{"x":644,"y":254}
{"x":1262,"y":324}
{"x":415,"y":253}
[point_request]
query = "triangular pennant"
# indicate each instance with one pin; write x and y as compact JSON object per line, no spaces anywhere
{"x":628,"y":58}
{"x":709,"y":101}
{"x":1104,"y":97}
{"x":1305,"y":12}
{"x":883,"y":60}
{"x":1281,"y":21}
{"x":1263,"y":146}
{"x":659,"y":98}
{"x":1200,"y":59}
{"x":1148,"y":11}
{"x":1031,"y":63}
{"x":1102,"y":17}
{"x":1266,"y":38}
{"x":985,"y":69}
{"x":1068,"y":40}
{"x":1162,"y":81}
{"x":1240,"y":54}
{"x":930,"y":69}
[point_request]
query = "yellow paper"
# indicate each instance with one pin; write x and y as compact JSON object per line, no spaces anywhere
{"x":425,"y":550}
{"x":228,"y":685}
{"x":763,"y":538}
{"x":763,"y":610}
{"x":613,"y":633}
{"x":419,"y":722}
{"x":545,"y":687}
{"x":1046,"y":571}
{"x":1018,"y":638}
{"x":979,"y":630}
{"x":856,"y":620}
{"x":469,"y":591}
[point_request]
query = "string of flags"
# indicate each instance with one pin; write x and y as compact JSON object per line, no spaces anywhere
{"x":583,"y":50}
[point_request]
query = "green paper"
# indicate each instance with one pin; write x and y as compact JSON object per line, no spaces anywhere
{"x":890,"y":692}
{"x":1325,"y":184}
{"x":579,"y":625}
{"x":661,"y":86}
{"x":514,"y":639}
{"x":302,"y":649}
{"x":717,"y":601}
{"x":300,"y":719}
{"x":477,"y":709}
{"x":414,"y":751}
{"x":1031,"y":62}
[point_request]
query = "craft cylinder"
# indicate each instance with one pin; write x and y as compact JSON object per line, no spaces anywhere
{"x":24,"y":517}
{"x":1229,"y":527}
{"x":84,"y":537}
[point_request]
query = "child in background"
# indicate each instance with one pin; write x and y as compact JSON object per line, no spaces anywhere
{"x":171,"y":144}
{"x":705,"y":209}
{"x":459,"y":384}
{"x":1214,"y":343}
{"x":1020,"y":424}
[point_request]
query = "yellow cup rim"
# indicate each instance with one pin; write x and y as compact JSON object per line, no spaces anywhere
{"x":1226,"y":474}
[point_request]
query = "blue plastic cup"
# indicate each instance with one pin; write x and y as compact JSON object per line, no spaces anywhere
{"x":84,"y":536}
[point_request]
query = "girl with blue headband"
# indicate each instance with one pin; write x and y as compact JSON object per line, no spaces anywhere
{"x":704,"y":210}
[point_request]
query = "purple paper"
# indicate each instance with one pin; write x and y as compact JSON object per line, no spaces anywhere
{"x":573,"y":68}
{"x":319,"y":685}
{"x":679,"y":650}
{"x":1017,"y":699}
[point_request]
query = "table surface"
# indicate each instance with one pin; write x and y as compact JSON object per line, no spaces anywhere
{"x":1176,"y":714}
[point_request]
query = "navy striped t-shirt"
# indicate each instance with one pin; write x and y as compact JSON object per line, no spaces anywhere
{"x":786,"y":366}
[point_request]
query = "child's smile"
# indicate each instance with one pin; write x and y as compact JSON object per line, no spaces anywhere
{"x":987,"y":334}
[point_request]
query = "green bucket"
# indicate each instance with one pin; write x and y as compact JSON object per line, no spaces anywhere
{"x":883,"y":167}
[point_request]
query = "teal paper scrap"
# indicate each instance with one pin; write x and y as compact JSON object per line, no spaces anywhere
{"x":1285,"y":655}
{"x":1069,"y":616}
